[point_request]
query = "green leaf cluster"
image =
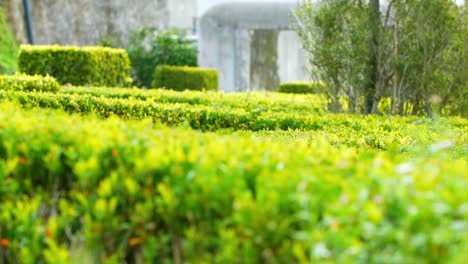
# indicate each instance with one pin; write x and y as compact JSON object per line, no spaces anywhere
{"x":149,"y":48}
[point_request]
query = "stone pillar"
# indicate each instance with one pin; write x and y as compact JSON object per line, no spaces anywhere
{"x":291,"y":57}
{"x":264,"y":60}
{"x":217,"y":47}
{"x":241,"y":58}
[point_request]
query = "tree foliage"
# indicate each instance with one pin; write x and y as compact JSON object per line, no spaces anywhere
{"x":413,"y":51}
{"x":149,"y":48}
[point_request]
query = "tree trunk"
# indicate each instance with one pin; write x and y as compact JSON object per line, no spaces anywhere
{"x":371,"y":87}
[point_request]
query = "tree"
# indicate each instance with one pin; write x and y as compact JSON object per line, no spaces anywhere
{"x":409,"y":52}
{"x":371,"y":96}
{"x":149,"y":48}
{"x":334,"y":34}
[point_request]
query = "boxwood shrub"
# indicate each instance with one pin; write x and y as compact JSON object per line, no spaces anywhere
{"x":23,"y":82}
{"x":301,"y":87}
{"x":185,"y":78}
{"x":99,"y":66}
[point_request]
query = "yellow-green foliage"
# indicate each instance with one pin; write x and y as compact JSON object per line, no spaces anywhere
{"x":23,"y":82}
{"x":185,"y":78}
{"x":77,"y":65}
{"x":204,"y":117}
{"x":301,"y":87}
{"x":363,"y":131}
{"x":113,"y":191}
{"x":253,"y":101}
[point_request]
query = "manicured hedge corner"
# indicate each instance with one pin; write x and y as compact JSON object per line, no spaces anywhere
{"x":23,"y":82}
{"x":97,"y":66}
{"x":185,"y":78}
{"x":301,"y":87}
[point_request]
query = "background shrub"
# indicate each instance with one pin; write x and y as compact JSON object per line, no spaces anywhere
{"x":301,"y":87}
{"x":100,"y":66}
{"x":185,"y":78}
{"x":8,"y":46}
{"x":149,"y":48}
{"x":23,"y":82}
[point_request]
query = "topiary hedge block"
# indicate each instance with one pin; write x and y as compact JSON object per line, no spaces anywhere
{"x":23,"y":82}
{"x":185,"y":78}
{"x":301,"y":87}
{"x":97,"y":66}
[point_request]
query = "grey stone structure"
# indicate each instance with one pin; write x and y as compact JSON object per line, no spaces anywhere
{"x":85,"y":22}
{"x":251,"y":44}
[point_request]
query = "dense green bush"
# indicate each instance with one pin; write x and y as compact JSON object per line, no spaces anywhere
{"x":149,"y":48}
{"x":301,"y":87}
{"x":77,"y":65}
{"x":109,"y":191}
{"x":23,"y":82}
{"x":8,"y":46}
{"x":185,"y":78}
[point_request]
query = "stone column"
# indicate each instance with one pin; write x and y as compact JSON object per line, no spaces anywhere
{"x":264,"y":60}
{"x":241,"y":58}
{"x":291,"y":57}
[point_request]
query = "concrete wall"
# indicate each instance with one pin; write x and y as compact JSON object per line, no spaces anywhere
{"x":251,"y":45}
{"x":292,"y":61}
{"x":205,"y":5}
{"x":264,"y":71}
{"x":84,"y":22}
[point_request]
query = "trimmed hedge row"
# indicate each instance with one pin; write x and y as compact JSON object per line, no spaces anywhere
{"x":256,"y":101}
{"x":301,"y":87}
{"x":22,"y":82}
{"x":98,"y":66}
{"x":197,"y":116}
{"x":110,"y":191}
{"x":370,"y":131}
{"x":185,"y":78}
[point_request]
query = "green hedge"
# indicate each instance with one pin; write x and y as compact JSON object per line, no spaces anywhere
{"x":23,"y":82}
{"x":371,"y":131}
{"x":97,"y":66}
{"x":301,"y":87}
{"x":253,"y":101}
{"x":185,"y":78}
{"x":109,"y":191}
{"x":203,"y":117}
